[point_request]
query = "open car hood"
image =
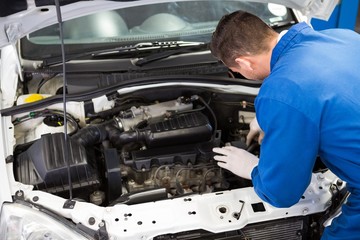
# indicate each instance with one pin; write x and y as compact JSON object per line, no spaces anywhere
{"x":21,"y":17}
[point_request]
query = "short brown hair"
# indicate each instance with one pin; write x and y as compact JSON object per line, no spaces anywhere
{"x":240,"y":34}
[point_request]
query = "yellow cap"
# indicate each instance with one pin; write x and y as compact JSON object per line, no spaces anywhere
{"x":33,"y":98}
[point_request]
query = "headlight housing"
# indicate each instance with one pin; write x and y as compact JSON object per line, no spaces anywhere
{"x":18,"y":221}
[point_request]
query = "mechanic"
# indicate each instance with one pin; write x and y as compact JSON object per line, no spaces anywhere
{"x":308,"y":106}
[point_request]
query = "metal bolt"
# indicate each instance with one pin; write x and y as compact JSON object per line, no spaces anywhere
{"x":320,"y":177}
{"x":92,"y":221}
{"x":305,"y":210}
{"x":35,"y":199}
{"x":339,"y":182}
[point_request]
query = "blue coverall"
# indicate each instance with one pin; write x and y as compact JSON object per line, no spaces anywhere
{"x":309,"y":106}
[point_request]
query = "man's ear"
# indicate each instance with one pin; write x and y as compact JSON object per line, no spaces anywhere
{"x":244,"y":63}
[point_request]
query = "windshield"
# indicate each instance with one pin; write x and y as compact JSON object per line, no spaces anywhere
{"x":170,"y":21}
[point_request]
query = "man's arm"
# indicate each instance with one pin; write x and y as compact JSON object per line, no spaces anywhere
{"x":287,"y":154}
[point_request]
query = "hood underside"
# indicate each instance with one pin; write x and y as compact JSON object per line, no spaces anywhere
{"x":21,"y":17}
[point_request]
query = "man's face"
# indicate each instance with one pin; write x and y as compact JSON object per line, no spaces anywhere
{"x":255,"y":74}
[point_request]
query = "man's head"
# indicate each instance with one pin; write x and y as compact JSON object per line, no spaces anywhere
{"x":244,"y":43}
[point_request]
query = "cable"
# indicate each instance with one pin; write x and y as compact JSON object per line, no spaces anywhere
{"x":48,"y":113}
{"x":211,"y":112}
{"x":43,"y":81}
{"x":157,"y":171}
{"x":65,"y":149}
{"x":203,"y":185}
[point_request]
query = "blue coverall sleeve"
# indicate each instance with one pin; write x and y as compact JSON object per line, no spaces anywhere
{"x":287,"y":154}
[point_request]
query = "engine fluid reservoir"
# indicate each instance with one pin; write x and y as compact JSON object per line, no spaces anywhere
{"x":29,"y":98}
{"x":33,"y":128}
{"x":45,"y":127}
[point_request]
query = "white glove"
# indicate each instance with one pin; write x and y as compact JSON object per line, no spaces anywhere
{"x":254,"y":131}
{"x":236,"y":160}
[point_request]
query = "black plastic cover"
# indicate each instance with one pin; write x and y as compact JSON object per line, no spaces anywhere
{"x":179,"y":130}
{"x":43,"y":164}
{"x":182,"y":129}
{"x":180,"y":154}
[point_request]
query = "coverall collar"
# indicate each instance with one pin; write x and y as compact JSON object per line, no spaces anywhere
{"x":287,"y":41}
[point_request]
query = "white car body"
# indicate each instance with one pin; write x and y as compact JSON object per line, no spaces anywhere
{"x":27,"y":209}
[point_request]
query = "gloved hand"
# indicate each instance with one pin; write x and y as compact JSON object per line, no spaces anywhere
{"x":254,"y":130}
{"x":236,"y":160}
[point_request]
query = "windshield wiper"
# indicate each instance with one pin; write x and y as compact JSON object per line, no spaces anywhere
{"x":103,"y":53}
{"x":165,"y":54}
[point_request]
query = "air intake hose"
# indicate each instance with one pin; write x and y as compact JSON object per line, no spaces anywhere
{"x":184,"y":128}
{"x":95,"y":134}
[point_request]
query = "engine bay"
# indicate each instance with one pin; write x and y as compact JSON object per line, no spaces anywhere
{"x":141,"y":155}
{"x":147,"y":146}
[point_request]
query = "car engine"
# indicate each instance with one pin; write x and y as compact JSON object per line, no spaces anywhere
{"x":133,"y":154}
